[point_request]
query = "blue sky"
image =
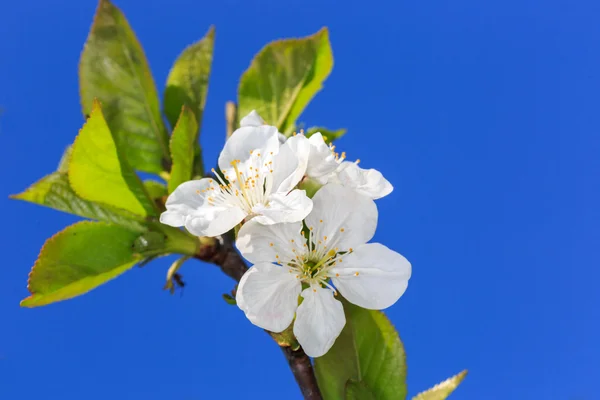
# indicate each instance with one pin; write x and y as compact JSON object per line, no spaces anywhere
{"x":484,"y":116}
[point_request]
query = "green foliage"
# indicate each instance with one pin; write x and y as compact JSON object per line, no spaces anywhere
{"x":442,"y":390}
{"x":187,"y":84}
{"x":113,"y":68}
{"x":155,"y":190}
{"x":54,"y":191}
{"x":98,"y":171}
{"x":283,"y":78}
{"x":78,"y":259}
{"x":369,"y":351}
{"x":358,"y":391}
{"x":328,"y":134}
{"x":185,"y":136}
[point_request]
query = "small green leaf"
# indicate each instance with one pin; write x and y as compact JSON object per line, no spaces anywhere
{"x":187,"y":83}
{"x":54,"y":191}
{"x":229,"y":299}
{"x":99,"y":172}
{"x":185,"y":136}
{"x":328,"y":134}
{"x":368,"y":350}
{"x":358,"y":391}
{"x":78,"y":259}
{"x":114,"y":69}
{"x":155,"y":189}
{"x":442,"y":390}
{"x":283,"y":78}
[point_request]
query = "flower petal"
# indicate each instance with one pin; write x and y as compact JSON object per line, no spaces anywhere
{"x":214,"y":220}
{"x":252,"y":119}
{"x":290,"y":163}
{"x":319,"y":321}
{"x":346,"y":218}
{"x":185,"y":200}
{"x":270,"y":243}
{"x":321,"y":162}
{"x":188,"y":206}
{"x":372,"y":276}
{"x":292,"y":207}
{"x":246,"y":140}
{"x":268,"y":295}
{"x":369,"y":182}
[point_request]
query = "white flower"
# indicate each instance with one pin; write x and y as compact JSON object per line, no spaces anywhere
{"x":339,"y":226}
{"x":253,"y":119}
{"x":325,"y":165}
{"x":260,"y":175}
{"x":369,"y":182}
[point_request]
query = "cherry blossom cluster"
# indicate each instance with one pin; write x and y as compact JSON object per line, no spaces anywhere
{"x":303,"y":250}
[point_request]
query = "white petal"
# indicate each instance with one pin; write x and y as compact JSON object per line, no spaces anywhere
{"x":188,"y":206}
{"x":247,"y":139}
{"x":369,"y":182}
{"x":282,"y":138}
{"x":382,"y":276}
{"x":270,"y":243}
{"x":172,"y":218}
{"x":347,"y":218}
{"x":252,"y":119}
{"x":268,"y":295}
{"x":214,"y":220}
{"x":321,"y":162}
{"x":292,"y":207}
{"x":319,"y":320}
{"x":289,"y":165}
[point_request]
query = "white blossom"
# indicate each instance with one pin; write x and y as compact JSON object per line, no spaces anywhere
{"x":332,"y":252}
{"x":260,"y":177}
{"x":326,"y":165}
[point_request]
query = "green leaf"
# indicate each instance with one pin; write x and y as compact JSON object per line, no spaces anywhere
{"x":155,"y":189}
{"x":78,"y":259}
{"x":150,"y":243}
{"x":284,"y":77}
{"x":358,"y":391}
{"x":114,"y":69}
{"x":368,"y":350}
{"x":442,"y":390}
{"x":63,"y":165}
{"x":54,"y":191}
{"x":187,"y":83}
{"x":99,"y":172}
{"x":185,"y":135}
{"x":328,"y":134}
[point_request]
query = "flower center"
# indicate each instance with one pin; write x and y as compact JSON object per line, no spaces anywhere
{"x":249,"y":183}
{"x":313,"y":265}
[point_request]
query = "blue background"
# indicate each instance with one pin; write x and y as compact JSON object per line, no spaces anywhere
{"x":485,"y":117}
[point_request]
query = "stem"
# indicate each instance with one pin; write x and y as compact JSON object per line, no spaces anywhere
{"x":303,"y":372}
{"x":223,"y":254}
{"x":230,"y":117}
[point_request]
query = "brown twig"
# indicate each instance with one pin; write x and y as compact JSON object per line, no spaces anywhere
{"x":222,"y":253}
